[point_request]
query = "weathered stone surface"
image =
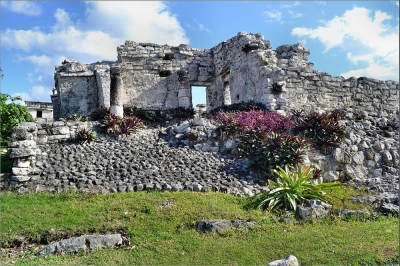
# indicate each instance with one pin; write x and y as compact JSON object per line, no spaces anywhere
{"x":21,"y":152}
{"x":349,"y":213}
{"x":314,"y":208}
{"x":82,"y":243}
{"x":288,"y":261}
{"x":219,"y":226}
{"x":20,"y":178}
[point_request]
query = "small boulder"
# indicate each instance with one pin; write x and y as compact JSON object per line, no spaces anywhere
{"x":288,"y":261}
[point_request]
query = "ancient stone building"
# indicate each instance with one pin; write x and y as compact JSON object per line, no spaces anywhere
{"x":41,"y":111}
{"x":152,"y":76}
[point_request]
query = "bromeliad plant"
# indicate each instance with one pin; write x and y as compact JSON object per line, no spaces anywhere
{"x":291,"y":189}
{"x":100,"y":113}
{"x":86,"y":136}
{"x":279,"y":150}
{"x":324,"y":130}
{"x":237,"y":107}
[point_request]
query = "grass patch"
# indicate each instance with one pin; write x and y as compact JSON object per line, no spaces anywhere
{"x":167,"y":235}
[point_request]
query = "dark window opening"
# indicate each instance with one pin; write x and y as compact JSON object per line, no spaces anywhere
{"x":39,"y":114}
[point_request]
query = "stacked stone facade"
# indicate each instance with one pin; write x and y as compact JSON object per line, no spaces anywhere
{"x":243,"y":68}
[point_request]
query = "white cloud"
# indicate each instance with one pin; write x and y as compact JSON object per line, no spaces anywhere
{"x":107,"y":25}
{"x":375,"y":71}
{"x":147,"y":21}
{"x":22,"y":7}
{"x":36,"y":93}
{"x":289,"y":6}
{"x":396,"y":2}
{"x":201,"y":26}
{"x":273,"y":15}
{"x":321,"y":2}
{"x":364,"y":38}
{"x":295,"y":14}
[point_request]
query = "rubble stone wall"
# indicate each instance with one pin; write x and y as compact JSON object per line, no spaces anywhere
{"x":242,"y":68}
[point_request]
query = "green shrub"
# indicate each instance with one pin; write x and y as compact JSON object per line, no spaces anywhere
{"x":148,"y":117}
{"x":12,"y":115}
{"x":242,"y":106}
{"x":324,"y":130}
{"x":99,"y":114}
{"x":113,"y":124}
{"x":181,"y":113}
{"x":110,"y":124}
{"x":86,"y":136}
{"x":291,"y":189}
{"x":279,"y":150}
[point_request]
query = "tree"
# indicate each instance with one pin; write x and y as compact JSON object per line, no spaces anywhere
{"x":12,"y":114}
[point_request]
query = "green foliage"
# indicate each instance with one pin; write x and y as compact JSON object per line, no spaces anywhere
{"x":324,"y":130}
{"x":86,"y":136}
{"x":74,"y":117}
{"x":148,"y":117}
{"x":181,"y":113}
{"x":12,"y":114}
{"x":290,"y":189}
{"x":113,"y":125}
{"x":110,"y":124}
{"x":279,"y":150}
{"x":167,"y":236}
{"x":242,"y":106}
{"x":99,"y":113}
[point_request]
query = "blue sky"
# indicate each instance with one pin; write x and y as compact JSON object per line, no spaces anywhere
{"x":347,"y":38}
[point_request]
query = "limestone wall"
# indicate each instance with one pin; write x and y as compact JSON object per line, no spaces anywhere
{"x":242,"y":68}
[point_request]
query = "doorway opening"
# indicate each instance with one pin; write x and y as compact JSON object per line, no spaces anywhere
{"x":199,"y":98}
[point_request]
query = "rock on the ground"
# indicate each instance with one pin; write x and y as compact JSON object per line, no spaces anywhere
{"x":82,"y":243}
{"x":219,"y":226}
{"x":314,"y":208}
{"x":288,"y":261}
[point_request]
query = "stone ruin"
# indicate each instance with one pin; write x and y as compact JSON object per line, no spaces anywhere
{"x":243,"y":68}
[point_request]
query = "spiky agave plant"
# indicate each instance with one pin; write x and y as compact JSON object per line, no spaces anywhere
{"x":291,"y":189}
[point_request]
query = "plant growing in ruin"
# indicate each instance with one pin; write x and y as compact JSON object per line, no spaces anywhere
{"x":279,"y":150}
{"x":99,"y":114}
{"x":110,"y":124}
{"x":324,"y":130}
{"x":130,"y":125}
{"x":147,"y":117}
{"x":86,"y":136}
{"x":181,"y":113}
{"x":242,"y":106}
{"x":113,"y":124}
{"x":291,"y":188}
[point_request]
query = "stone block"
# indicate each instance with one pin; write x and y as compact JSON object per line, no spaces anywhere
{"x":330,"y":176}
{"x":358,"y":158}
{"x":22,"y":144}
{"x":20,"y":171}
{"x":20,"y":178}
{"x":61,"y":130}
{"x":314,"y":208}
{"x":41,"y":139}
{"x":22,"y":162}
{"x":21,"y":152}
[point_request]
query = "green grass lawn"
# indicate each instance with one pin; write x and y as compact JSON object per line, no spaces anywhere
{"x":167,"y":235}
